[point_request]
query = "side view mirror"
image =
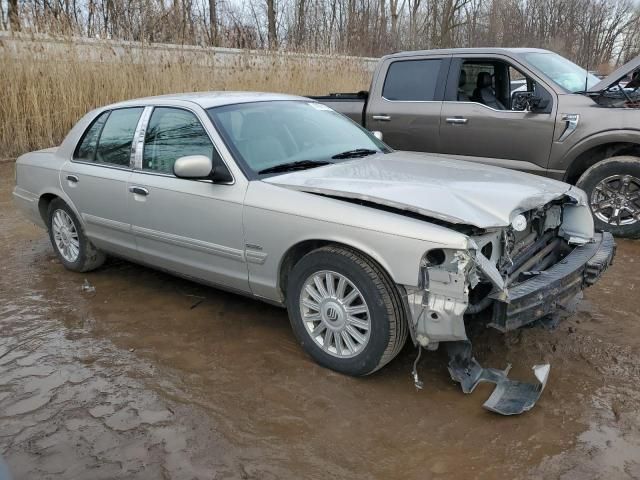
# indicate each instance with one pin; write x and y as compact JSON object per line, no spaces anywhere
{"x":198,"y":167}
{"x":527,"y":102}
{"x":377,"y":134}
{"x":193,"y":166}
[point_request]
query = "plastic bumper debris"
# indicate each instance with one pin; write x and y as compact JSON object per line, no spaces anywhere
{"x":510,"y":397}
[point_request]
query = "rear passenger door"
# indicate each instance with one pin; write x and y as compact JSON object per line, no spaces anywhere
{"x":96,"y":180}
{"x":406,"y":100}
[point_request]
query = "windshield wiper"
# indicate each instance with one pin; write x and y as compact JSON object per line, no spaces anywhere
{"x":291,"y":166}
{"x":358,"y":152}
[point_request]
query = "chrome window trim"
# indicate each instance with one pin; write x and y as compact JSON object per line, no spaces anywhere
{"x":140,"y":152}
{"x":494,"y":109}
{"x":138,"y":138}
{"x":111,"y":166}
{"x":410,"y":101}
{"x":169,"y":175}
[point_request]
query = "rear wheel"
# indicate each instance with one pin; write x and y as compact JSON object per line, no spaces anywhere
{"x":345,"y":311}
{"x":73,"y":248}
{"x":613,"y":188}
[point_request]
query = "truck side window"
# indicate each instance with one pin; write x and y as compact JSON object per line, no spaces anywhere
{"x":412,"y":80}
{"x":493,"y":83}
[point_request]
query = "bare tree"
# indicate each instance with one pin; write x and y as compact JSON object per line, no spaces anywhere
{"x":590,"y":32}
{"x":14,"y":15}
{"x":271,"y":24}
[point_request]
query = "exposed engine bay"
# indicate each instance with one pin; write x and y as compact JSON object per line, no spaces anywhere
{"x":510,"y":277}
{"x":620,"y":93}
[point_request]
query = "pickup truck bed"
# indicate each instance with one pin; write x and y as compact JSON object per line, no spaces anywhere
{"x":353,"y":105}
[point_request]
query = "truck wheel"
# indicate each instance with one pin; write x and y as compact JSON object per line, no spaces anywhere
{"x":613,"y":188}
{"x":73,"y":248}
{"x":345,"y":311}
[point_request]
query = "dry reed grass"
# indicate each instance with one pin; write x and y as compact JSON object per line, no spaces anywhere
{"x":43,"y":93}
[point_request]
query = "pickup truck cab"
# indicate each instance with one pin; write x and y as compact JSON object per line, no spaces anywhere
{"x":525,"y":109}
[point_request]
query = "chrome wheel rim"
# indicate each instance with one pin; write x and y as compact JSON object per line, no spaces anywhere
{"x":335,"y":314}
{"x":616,"y":200}
{"x":65,"y":236}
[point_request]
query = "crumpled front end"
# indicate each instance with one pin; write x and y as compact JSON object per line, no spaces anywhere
{"x":510,"y":277}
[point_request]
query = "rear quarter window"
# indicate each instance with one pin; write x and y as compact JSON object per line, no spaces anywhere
{"x":412,"y":80}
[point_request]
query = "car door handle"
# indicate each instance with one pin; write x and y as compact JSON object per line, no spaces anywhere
{"x":382,"y":118}
{"x":72,"y":178}
{"x":139,"y":190}
{"x":457,"y":120}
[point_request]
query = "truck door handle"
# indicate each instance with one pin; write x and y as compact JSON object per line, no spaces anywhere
{"x":457,"y":120}
{"x":139,"y":190}
{"x":381,"y":118}
{"x":72,"y":178}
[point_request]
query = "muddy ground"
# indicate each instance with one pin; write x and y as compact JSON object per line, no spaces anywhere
{"x":155,"y":377}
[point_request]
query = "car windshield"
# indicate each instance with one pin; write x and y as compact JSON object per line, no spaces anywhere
{"x":302,"y":134}
{"x":562,"y":71}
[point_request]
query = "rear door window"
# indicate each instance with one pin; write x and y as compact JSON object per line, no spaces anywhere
{"x":114,"y":144}
{"x":412,"y":80}
{"x":86,"y":150}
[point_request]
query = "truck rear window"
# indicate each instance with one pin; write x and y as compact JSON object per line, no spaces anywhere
{"x":412,"y":80}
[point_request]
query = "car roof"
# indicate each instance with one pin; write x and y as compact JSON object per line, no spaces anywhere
{"x":207,"y":99}
{"x":463,"y":51}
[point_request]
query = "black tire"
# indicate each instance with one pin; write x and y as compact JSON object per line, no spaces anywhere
{"x":623,"y":165}
{"x":387,"y":320}
{"x":89,"y":257}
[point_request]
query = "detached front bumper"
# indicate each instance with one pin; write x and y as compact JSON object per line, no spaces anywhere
{"x":554,"y":288}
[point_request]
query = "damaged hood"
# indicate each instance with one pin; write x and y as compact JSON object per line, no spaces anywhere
{"x":616,"y":76}
{"x":454,"y":191}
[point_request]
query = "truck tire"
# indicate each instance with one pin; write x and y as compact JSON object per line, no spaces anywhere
{"x":345,"y":311}
{"x":69,"y":241}
{"x":613,"y":188}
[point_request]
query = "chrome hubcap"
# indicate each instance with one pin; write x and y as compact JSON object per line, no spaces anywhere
{"x":335,"y":314}
{"x":65,"y":236}
{"x":616,"y":200}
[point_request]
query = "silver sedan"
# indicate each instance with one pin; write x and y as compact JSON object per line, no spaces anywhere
{"x":281,"y":198}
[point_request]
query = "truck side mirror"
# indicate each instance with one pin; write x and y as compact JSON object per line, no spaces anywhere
{"x":377,"y":134}
{"x":527,"y":102}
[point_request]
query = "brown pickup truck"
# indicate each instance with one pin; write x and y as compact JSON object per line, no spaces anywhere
{"x":526,"y":109}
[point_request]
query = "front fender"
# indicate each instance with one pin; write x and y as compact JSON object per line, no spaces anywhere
{"x":277,"y":219}
{"x":593,"y":141}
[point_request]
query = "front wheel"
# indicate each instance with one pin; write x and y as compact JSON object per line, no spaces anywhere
{"x":345,"y":311}
{"x":613,"y":188}
{"x":74,"y":249}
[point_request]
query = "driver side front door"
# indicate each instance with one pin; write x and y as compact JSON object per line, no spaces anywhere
{"x":190,"y":227}
{"x":476,"y":132}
